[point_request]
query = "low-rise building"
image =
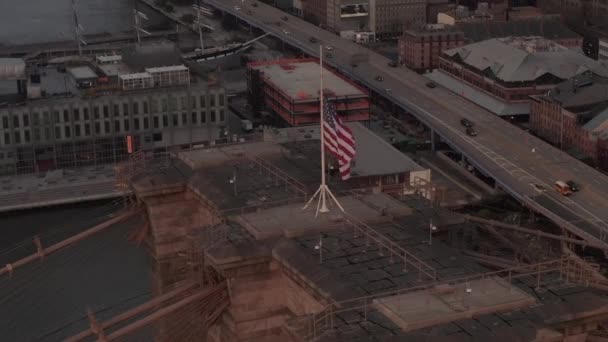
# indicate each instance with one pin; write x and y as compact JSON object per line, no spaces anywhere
{"x":501,"y":74}
{"x":290,"y":88}
{"x":390,"y":18}
{"x":574,"y":116}
{"x":419,"y":49}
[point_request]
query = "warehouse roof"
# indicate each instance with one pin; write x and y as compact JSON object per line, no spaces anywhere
{"x":581,"y":92}
{"x":526,"y":59}
{"x":299,"y":79}
{"x":82,"y":72}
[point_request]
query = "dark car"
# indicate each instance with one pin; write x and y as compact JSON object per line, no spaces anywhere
{"x":471,"y":132}
{"x":392,"y":64}
{"x":379,"y":78}
{"x":313,"y":40}
{"x":431,"y":84}
{"x":255,"y":4}
{"x":284,"y":18}
{"x":573,"y":186}
{"x":466,"y":122}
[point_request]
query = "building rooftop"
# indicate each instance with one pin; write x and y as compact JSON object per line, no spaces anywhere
{"x":580,"y":93}
{"x":299,"y":79}
{"x":375,"y":156}
{"x":548,"y":29}
{"x":82,"y":72}
{"x":167,"y":68}
{"x":135,"y":76}
{"x":114,"y":69}
{"x":109,"y":59}
{"x":525,"y":59}
{"x":599,"y":124}
{"x":433,"y":29}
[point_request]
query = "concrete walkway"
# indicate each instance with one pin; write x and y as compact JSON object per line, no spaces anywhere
{"x":57,"y":187}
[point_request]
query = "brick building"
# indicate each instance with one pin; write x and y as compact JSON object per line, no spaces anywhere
{"x":501,"y":74}
{"x":574,"y":116}
{"x":390,"y":18}
{"x":420,"y":49}
{"x":290,"y":88}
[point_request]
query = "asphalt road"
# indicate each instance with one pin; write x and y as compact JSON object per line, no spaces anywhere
{"x":513,"y":157}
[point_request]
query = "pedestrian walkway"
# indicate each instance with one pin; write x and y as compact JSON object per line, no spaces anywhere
{"x":57,"y":187}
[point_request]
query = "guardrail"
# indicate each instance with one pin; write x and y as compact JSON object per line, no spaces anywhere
{"x":280,"y":174}
{"x":316,"y":325}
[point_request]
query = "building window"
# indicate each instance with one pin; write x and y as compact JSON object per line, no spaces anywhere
{"x":221,"y":115}
{"x":116,"y":110}
{"x":175,"y":120}
{"x":76,"y":114}
{"x":47,"y":134}
{"x":203,"y":117}
{"x":107,"y":127}
{"x":7,"y":138}
{"x":194,"y":118}
{"x":184,"y":119}
{"x":116,"y":126}
{"x":213,"y":116}
{"x":36,"y":118}
{"x":87,"y":129}
{"x":135,"y":108}
{"x":66,"y":115}
{"x":26,"y":136}
{"x":77,"y":130}
{"x":125,"y":109}
{"x":85,"y":112}
{"x":17,"y":137}
{"x":192,"y":102}
{"x":172,"y":104}
{"x":106,"y":111}
{"x":15,"y":121}
{"x":146,"y":124}
{"x":57,"y":133}
{"x":96,"y":112}
{"x":136,"y":124}
{"x":164,"y":106}
{"x":184,"y":104}
{"x":5,"y":122}
{"x":221,"y":99}
{"x":212,"y":100}
{"x":165,"y":120}
{"x":67,"y":131}
{"x":36,"y":134}
{"x":156,"y":122}
{"x":127,"y":125}
{"x":202,"y":100}
{"x":145,"y":107}
{"x":97,"y":128}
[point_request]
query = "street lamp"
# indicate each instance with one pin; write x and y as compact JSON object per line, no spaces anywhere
{"x":432,"y":228}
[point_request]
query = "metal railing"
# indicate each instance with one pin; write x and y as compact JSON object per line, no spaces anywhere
{"x":395,"y":252}
{"x":318,"y":324}
{"x":263,"y":164}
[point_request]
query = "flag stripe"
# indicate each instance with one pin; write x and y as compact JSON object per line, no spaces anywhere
{"x":339,"y":139}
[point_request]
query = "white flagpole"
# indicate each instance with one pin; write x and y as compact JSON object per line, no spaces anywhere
{"x":322,"y":132}
{"x":323,"y":190}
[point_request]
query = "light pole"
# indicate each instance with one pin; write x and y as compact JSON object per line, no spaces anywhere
{"x":432,"y":228}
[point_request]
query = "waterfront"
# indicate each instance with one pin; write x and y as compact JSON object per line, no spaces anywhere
{"x":28,"y":22}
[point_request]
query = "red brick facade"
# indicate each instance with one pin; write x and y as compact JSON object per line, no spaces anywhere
{"x":560,"y":127}
{"x":420,"y":50}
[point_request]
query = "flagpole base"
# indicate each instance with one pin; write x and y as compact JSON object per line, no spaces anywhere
{"x":323,"y":192}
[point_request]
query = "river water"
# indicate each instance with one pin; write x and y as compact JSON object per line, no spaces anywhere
{"x":36,"y":21}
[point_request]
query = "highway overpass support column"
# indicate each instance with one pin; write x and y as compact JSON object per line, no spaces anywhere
{"x":434,"y":140}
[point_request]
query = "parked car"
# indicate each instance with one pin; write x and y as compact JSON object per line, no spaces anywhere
{"x":392,"y":64}
{"x":285,"y":31}
{"x":538,"y":187}
{"x":471,"y":132}
{"x":466,"y":122}
{"x":313,"y":40}
{"x":573,"y":186}
{"x":255,"y":4}
{"x":379,"y":78}
{"x":431,"y":84}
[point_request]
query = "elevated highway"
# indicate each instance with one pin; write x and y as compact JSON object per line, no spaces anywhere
{"x":520,"y":163}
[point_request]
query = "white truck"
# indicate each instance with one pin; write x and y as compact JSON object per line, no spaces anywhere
{"x":246,"y":125}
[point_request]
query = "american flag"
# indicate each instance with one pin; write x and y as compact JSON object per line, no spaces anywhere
{"x":339,"y":139}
